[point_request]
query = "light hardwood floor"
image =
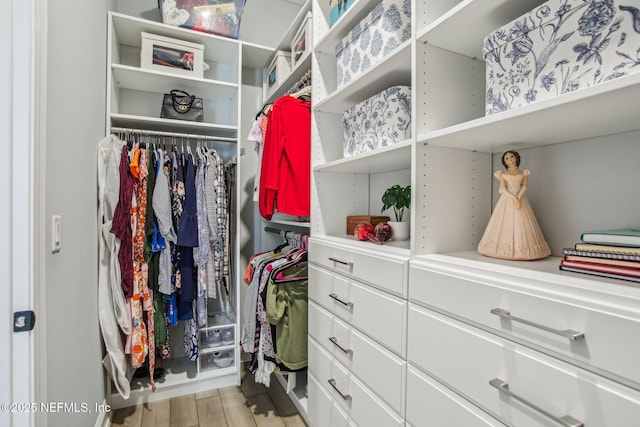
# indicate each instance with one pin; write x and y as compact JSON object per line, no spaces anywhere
{"x":248,"y":405}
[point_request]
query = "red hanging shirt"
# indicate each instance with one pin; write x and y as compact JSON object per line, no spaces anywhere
{"x":285,"y":182}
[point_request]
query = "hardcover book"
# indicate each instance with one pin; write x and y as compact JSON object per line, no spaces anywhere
{"x":605,"y":261}
{"x":614,"y":269}
{"x":600,"y":273}
{"x":597,"y":254}
{"x":618,"y":237}
{"x":594,"y":247}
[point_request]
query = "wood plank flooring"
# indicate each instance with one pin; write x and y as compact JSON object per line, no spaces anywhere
{"x":248,"y":405}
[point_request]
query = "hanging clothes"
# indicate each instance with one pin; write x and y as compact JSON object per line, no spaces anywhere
{"x":286,"y":161}
{"x":156,"y":222}
{"x":112,"y":308}
{"x":275,"y":309}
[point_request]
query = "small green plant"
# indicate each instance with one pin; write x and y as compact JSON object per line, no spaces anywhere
{"x":397,"y":197}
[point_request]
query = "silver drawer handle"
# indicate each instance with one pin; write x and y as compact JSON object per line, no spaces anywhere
{"x":334,"y":340}
{"x":335,"y":297}
{"x":350,"y":264}
{"x":566,"y":421}
{"x":346,"y":397}
{"x":568,"y":333}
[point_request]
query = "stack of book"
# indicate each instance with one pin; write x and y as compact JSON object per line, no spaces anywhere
{"x":606,"y":253}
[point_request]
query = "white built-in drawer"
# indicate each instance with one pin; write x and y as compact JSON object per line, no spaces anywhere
{"x":322,"y":411}
{"x":379,"y":314}
{"x":468,"y":359}
{"x":386,"y":271}
{"x":609,"y":322}
{"x":377,"y":367}
{"x":359,"y":403}
{"x":429,"y":403}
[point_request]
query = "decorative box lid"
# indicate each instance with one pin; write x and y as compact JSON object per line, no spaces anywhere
{"x":385,"y":7}
{"x":537,"y":18}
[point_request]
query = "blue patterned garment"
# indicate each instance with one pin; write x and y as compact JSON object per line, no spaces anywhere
{"x":560,"y":47}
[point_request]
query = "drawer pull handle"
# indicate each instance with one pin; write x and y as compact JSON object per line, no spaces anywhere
{"x":349,"y":264}
{"x":346,"y":397}
{"x":568,"y":333}
{"x":566,"y":421}
{"x":334,"y":340}
{"x":335,"y":297}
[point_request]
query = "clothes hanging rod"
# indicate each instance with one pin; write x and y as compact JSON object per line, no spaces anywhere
{"x":172,"y":134}
{"x":306,"y":78}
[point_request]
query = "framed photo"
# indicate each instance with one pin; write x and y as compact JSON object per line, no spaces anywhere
{"x":301,"y":41}
{"x":171,"y":55}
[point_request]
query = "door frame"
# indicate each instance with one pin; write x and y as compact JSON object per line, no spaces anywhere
{"x":22,"y":224}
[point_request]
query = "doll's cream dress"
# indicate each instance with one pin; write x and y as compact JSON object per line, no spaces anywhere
{"x":513,"y":233}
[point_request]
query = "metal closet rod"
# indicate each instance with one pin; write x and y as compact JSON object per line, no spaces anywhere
{"x":172,"y":134}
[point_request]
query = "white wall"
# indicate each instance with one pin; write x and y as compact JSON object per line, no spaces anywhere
{"x":75,"y":116}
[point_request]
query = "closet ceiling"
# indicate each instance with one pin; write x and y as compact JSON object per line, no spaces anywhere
{"x":265,"y":21}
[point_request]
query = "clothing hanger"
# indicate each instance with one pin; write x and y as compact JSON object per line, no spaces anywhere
{"x":305,"y":91}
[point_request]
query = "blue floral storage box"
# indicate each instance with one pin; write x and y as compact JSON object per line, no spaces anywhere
{"x":379,"y":121}
{"x":559,"y":47}
{"x":385,"y":28}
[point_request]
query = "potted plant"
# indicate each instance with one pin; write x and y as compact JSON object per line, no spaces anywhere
{"x":398,"y":198}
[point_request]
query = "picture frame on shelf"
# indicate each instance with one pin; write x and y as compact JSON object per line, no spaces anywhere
{"x":301,"y":41}
{"x":171,"y":55}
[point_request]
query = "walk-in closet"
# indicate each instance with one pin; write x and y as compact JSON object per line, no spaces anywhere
{"x":321,"y":212}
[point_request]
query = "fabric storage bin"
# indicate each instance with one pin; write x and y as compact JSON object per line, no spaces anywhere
{"x":385,"y":28}
{"x":221,"y":17}
{"x":379,"y":121}
{"x":559,"y":47}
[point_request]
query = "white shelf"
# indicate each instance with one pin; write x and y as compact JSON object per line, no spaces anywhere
{"x":605,"y":109}
{"x":224,"y":132}
{"x":256,"y":56}
{"x":216,"y":48}
{"x":291,"y":223}
{"x":394,"y":69}
{"x":181,"y":377}
{"x":463,"y":28}
{"x":386,"y":159}
{"x":128,"y":77}
{"x":297,"y":395}
{"x":390,"y":246}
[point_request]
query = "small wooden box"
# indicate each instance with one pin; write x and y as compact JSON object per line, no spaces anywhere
{"x":354,"y":220}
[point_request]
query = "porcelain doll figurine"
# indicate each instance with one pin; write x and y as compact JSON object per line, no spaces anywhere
{"x":513,"y":232}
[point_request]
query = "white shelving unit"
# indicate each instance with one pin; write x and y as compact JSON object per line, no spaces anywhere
{"x":580,"y":147}
{"x":133,"y":102}
{"x":295,"y":383}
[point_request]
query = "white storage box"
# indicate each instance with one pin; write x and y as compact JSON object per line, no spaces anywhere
{"x":385,"y":28}
{"x":279,"y":68}
{"x":171,"y":55}
{"x":559,"y":47}
{"x":301,"y":42}
{"x":379,"y":121}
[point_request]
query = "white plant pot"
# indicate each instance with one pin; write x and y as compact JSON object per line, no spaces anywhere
{"x":399,"y":230}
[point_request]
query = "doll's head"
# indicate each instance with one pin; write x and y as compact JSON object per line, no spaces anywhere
{"x":515,"y":153}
